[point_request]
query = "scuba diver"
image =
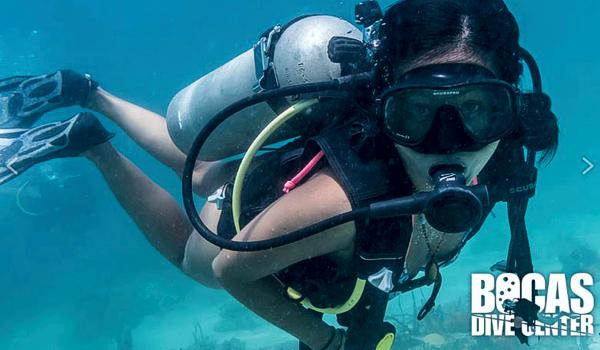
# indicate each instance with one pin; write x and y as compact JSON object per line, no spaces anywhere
{"x":399,"y":141}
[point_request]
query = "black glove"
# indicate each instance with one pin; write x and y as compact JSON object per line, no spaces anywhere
{"x":539,"y":126}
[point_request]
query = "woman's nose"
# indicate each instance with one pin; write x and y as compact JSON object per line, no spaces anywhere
{"x":448,"y":134}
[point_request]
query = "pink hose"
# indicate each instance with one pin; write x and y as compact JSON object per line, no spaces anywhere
{"x":290,"y":185}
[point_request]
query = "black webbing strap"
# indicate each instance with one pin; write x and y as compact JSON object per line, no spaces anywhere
{"x":365,"y":320}
{"x":519,"y":258}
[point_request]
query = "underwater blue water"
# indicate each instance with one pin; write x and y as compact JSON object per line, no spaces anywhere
{"x":75,"y":272}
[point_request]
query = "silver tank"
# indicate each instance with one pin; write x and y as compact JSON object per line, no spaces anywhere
{"x":299,"y":56}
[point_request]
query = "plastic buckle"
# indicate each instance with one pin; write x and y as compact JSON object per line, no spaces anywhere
{"x":382,"y":280}
{"x":218,"y":197}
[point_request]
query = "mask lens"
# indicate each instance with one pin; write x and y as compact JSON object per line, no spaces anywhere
{"x":486,"y":111}
{"x":408,"y":115}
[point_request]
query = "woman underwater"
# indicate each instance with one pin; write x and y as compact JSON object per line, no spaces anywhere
{"x":466,"y":49}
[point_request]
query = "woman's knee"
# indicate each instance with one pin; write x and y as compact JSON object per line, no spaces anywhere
{"x":231,"y":269}
{"x":225,"y":271}
{"x":197,"y":261}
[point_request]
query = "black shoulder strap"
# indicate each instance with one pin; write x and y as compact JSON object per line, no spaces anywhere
{"x":512,"y":179}
{"x":519,"y":258}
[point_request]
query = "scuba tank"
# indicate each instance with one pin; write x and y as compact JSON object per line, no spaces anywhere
{"x":296,"y":53}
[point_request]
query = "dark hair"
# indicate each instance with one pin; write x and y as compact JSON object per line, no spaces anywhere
{"x":418,"y":28}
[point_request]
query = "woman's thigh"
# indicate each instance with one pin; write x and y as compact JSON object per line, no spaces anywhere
{"x":199,"y":253}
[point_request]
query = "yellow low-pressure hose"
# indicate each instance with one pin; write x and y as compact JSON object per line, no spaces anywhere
{"x":255,"y":147}
{"x":239,"y":184}
{"x":357,"y":293}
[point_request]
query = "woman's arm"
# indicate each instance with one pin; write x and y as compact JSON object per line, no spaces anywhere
{"x":247,"y":275}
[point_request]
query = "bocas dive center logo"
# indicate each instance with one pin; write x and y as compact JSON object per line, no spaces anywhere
{"x":534,"y":306}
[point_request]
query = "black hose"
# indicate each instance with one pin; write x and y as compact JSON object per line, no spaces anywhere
{"x":344,"y":83}
{"x":286,"y":239}
{"x":534,"y":70}
{"x":536,"y":80}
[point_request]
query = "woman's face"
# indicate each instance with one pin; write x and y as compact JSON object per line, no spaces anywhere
{"x":419,"y":164}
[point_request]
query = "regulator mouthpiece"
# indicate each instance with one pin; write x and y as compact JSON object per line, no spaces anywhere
{"x":454,"y":207}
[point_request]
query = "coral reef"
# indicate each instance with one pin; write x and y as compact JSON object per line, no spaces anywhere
{"x":234,"y":317}
{"x":203,"y":342}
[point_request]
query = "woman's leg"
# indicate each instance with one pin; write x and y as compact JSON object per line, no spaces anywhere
{"x":165,"y":226}
{"x":157,"y":214}
{"x":149,"y":130}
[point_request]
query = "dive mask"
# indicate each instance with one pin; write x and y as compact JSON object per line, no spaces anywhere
{"x":448,"y":108}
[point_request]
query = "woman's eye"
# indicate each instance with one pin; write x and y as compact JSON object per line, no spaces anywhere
{"x":471,"y":107}
{"x":420,"y":109}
